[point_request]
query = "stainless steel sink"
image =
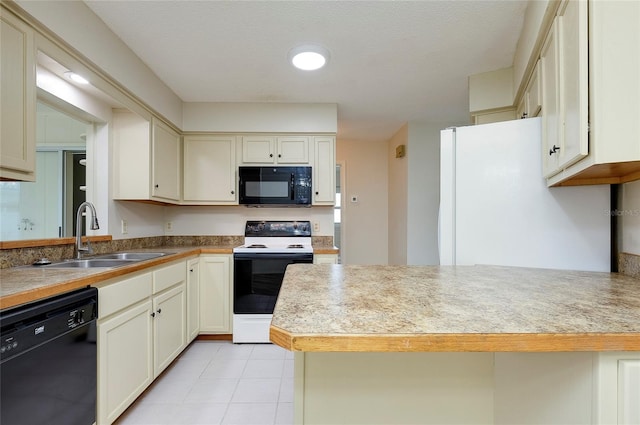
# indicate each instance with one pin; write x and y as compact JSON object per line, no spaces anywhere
{"x":131,"y":255}
{"x":91,"y":263}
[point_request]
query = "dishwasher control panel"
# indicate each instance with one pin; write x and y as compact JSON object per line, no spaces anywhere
{"x":27,"y":327}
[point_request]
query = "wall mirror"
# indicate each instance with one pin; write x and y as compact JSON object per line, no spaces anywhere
{"x":71,"y":131}
{"x":45,"y":208}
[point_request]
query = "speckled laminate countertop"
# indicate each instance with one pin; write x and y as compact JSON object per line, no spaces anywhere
{"x":20,"y":285}
{"x":463,"y":308}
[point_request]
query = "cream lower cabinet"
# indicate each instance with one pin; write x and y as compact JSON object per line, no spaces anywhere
{"x":325,"y":258}
{"x":193,"y":299}
{"x":141,"y":330}
{"x":18,"y":98}
{"x":216,"y":277}
{"x":125,"y":344}
{"x":618,"y":388}
{"x":169,"y":326}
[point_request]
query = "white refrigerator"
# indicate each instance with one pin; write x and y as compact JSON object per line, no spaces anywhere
{"x":495,"y":206}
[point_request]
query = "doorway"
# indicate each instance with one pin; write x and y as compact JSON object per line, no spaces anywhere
{"x":338,"y":216}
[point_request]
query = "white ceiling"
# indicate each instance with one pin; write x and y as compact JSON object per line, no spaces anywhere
{"x":391,"y":61}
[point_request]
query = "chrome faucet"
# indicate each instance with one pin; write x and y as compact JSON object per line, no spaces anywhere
{"x":94,"y":226}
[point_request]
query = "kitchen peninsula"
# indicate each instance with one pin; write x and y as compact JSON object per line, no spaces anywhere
{"x":466,"y":344}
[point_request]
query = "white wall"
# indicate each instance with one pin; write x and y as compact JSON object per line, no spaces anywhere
{"x":423,"y":198}
{"x":261,"y":117}
{"x":398,"y":193}
{"x":76,"y":24}
{"x":630,"y":218}
{"x":364,"y":224}
{"x":230,"y":220}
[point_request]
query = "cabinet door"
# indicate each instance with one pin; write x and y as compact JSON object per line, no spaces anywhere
{"x":210,"y":169}
{"x":258,"y":150}
{"x":324,"y":171}
{"x":193,"y":299}
{"x":629,"y":392}
{"x":293,"y":150}
{"x":572,"y":44}
{"x":169,"y":326}
{"x":165,"y":162}
{"x":215,"y":294}
{"x":325,"y":259}
{"x":551,"y":113}
{"x":17,"y":90}
{"x":534,"y":97}
{"x":125,"y":360}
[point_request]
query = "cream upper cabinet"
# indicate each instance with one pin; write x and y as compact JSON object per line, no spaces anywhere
{"x":216,"y":277}
{"x":324,"y":170}
{"x":530,"y":103}
{"x":147,"y":159}
{"x":599,"y":90}
{"x":275,"y":150}
{"x":166,"y":167}
{"x":18,"y":100}
{"x":564,"y":87}
{"x":551,"y":119}
{"x":210,"y":170}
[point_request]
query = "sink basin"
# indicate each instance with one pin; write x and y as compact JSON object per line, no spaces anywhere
{"x":131,"y":255}
{"x":91,"y":263}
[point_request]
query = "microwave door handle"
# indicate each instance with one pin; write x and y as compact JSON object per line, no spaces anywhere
{"x":293,"y":182}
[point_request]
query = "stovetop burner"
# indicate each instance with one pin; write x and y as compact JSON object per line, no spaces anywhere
{"x":285,"y":237}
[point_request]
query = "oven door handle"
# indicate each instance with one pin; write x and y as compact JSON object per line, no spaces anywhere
{"x":273,"y":255}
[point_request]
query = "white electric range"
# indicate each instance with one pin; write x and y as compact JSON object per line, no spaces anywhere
{"x":259,"y":267}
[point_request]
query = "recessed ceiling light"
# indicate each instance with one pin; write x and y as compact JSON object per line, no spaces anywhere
{"x":309,"y":57}
{"x":76,"y":78}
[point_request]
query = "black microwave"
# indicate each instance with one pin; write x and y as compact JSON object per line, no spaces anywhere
{"x":275,"y":186}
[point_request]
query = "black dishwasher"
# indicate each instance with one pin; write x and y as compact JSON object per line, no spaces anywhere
{"x":48,"y":361}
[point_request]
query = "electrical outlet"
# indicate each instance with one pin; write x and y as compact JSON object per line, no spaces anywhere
{"x":316,"y":226}
{"x":169,"y":226}
{"x":124,"y":226}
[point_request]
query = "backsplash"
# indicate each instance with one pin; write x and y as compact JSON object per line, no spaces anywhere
{"x":24,"y":256}
{"x":629,"y":264}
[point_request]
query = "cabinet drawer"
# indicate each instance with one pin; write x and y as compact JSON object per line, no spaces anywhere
{"x":169,"y":276}
{"x":122,"y":294}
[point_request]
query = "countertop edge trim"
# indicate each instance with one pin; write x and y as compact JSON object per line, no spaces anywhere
{"x":472,"y":342}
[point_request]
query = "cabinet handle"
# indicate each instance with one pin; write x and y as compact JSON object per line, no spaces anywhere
{"x":156,"y":186}
{"x":233,"y":192}
{"x":317,"y":193}
{"x":553,"y":150}
{"x":159,"y":310}
{"x":524,"y":115}
{"x":153,"y":314}
{"x":279,"y":156}
{"x":191,"y":270}
{"x":270,"y":155}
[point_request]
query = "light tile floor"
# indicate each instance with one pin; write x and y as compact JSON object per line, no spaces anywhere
{"x":217,"y":382}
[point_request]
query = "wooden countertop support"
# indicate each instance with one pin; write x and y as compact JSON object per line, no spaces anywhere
{"x":456,"y":342}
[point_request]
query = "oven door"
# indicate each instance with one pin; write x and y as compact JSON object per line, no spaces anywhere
{"x":257,"y":279}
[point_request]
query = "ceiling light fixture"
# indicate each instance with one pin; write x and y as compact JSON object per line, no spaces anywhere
{"x":309,"y":57}
{"x":76,"y":78}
